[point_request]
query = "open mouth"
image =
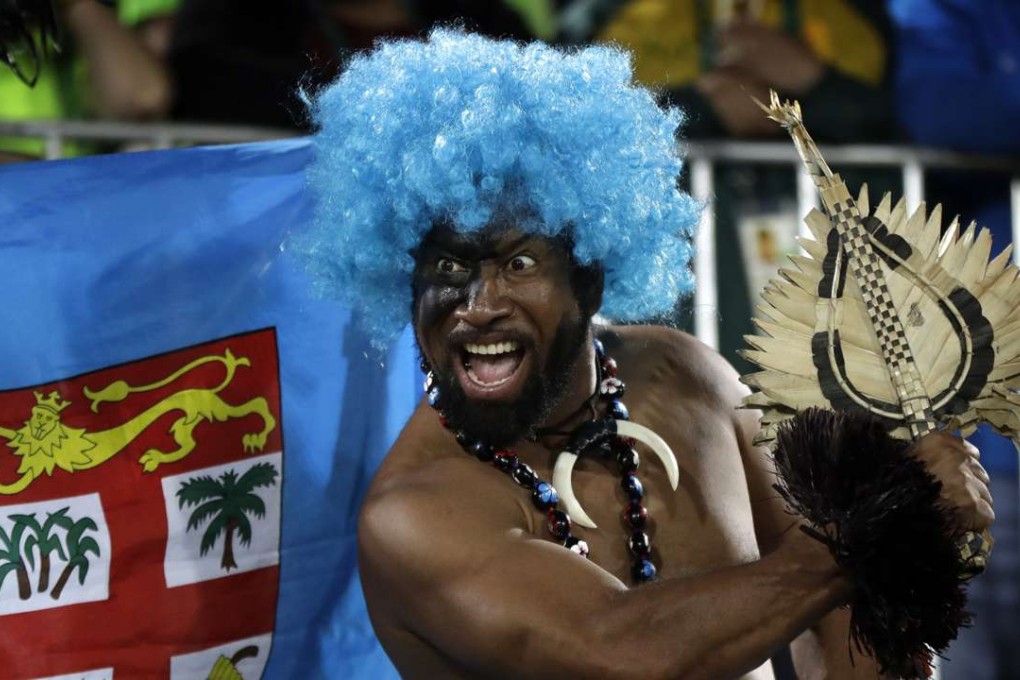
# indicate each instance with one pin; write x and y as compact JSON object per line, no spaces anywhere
{"x":490,"y":369}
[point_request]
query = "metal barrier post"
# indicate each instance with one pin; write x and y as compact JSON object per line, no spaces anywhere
{"x":54,"y":145}
{"x":807,"y":198}
{"x":1014,"y":214}
{"x":913,"y":184}
{"x":706,"y":300}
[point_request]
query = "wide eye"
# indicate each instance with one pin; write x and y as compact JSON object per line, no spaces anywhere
{"x":447,"y":265}
{"x":521,"y":262}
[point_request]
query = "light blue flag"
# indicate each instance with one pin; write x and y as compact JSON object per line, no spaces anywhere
{"x":127,"y":268}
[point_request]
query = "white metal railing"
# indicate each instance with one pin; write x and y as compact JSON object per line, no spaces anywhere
{"x":155,"y":135}
{"x":702,"y":158}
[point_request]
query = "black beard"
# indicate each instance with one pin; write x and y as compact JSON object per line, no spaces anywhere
{"x":500,"y":425}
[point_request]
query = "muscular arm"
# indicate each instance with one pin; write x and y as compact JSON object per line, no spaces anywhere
{"x":449,"y":568}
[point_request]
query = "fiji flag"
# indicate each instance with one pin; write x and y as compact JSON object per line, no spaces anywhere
{"x":186,"y":435}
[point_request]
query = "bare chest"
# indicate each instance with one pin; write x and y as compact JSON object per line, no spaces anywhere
{"x":705,"y":524}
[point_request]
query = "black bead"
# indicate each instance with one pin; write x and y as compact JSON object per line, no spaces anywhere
{"x":639,"y":544}
{"x":558,"y":523}
{"x":482,"y":451}
{"x":505,"y":460}
{"x":462,"y":438}
{"x":635,"y":515}
{"x":524,"y":475}
{"x":627,"y":459}
{"x":631,"y":486}
{"x":643,"y":571}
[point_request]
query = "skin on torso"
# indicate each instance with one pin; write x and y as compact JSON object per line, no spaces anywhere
{"x":675,"y":386}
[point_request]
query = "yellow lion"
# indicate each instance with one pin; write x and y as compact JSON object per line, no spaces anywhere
{"x":45,"y":443}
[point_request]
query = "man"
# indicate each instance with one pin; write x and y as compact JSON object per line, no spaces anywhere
{"x":509,"y":193}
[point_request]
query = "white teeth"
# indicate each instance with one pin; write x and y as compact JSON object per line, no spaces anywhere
{"x":492,"y":348}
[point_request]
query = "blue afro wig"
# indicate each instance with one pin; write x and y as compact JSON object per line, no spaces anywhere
{"x":461,"y":129}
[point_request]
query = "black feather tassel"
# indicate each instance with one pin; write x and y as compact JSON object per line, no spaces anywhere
{"x":878,"y":511}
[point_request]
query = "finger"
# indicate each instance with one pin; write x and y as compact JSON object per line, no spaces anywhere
{"x":984,"y":515}
{"x":985,"y":494}
{"x":972,"y":451}
{"x":976,"y":517}
{"x":978,"y":471}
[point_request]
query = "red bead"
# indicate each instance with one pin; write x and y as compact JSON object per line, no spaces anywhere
{"x":558,"y":524}
{"x":609,"y":365}
{"x":635,"y":515}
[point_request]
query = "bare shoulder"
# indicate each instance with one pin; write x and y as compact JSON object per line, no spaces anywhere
{"x":662,"y":355}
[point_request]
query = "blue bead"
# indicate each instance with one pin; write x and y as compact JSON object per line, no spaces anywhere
{"x":618,"y":411}
{"x":632,"y":487}
{"x":643,"y":571}
{"x":600,"y":350}
{"x":433,"y":397}
{"x":544,"y":496}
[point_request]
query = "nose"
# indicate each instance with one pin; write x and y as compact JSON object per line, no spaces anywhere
{"x":485,"y":303}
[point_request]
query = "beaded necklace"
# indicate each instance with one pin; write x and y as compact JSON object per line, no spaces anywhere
{"x":595,"y":437}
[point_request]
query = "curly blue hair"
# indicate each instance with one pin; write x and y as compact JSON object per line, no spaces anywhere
{"x":459,"y":129}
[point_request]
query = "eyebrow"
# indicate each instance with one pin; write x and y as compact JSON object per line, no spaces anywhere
{"x":487,"y":249}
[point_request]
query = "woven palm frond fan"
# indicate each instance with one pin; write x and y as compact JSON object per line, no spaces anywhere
{"x":886,"y":329}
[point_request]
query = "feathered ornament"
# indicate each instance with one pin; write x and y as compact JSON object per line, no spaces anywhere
{"x":886,"y":319}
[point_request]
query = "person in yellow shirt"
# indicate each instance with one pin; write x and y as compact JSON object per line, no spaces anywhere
{"x":708,"y":56}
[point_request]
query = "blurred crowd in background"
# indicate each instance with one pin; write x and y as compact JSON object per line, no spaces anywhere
{"x":937,"y":73}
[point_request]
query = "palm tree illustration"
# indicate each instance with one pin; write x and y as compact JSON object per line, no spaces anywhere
{"x":78,"y":548}
{"x":225,"y":503}
{"x":45,"y":541}
{"x":11,"y":559}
